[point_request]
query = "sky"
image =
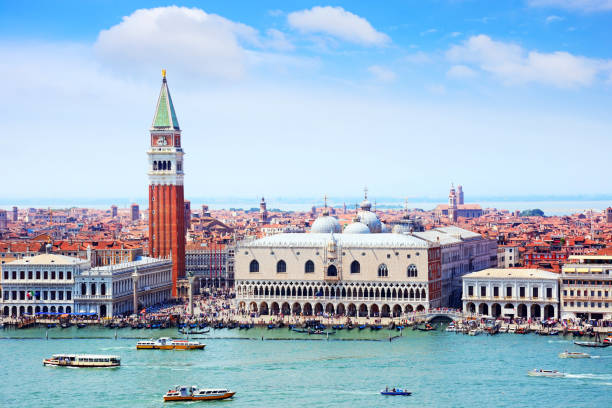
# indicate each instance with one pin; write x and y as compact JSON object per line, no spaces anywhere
{"x":305,"y":99}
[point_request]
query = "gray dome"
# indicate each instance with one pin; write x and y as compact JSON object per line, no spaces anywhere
{"x":325,"y":224}
{"x":371,"y":220}
{"x":357,"y":228}
{"x":383,"y":228}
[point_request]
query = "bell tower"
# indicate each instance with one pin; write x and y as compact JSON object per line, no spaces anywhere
{"x":166,"y":199}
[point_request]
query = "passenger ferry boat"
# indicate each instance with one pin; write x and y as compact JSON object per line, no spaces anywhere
{"x":166,"y":343}
{"x":572,"y":354}
{"x":193,"y":393}
{"x":82,"y":360}
{"x":545,"y":373}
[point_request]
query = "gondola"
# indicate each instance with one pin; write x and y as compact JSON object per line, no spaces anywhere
{"x":81,"y":325}
{"x":591,"y":344}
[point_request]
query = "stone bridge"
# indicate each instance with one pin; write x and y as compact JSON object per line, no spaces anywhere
{"x":454,"y":315}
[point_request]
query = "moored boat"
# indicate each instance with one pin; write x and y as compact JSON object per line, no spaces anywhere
{"x":608,"y":340}
{"x":166,"y":343}
{"x":451,"y":327}
{"x":572,"y":354}
{"x":475,"y":332}
{"x":82,"y":360}
{"x":193,"y":393}
{"x":545,"y":373}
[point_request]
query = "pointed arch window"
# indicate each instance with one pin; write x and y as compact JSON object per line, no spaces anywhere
{"x":355,"y":267}
{"x":309,"y":267}
{"x":412,"y":271}
{"x":281,"y":266}
{"x":383,"y":271}
{"x":332,"y":271}
{"x":254,"y":266}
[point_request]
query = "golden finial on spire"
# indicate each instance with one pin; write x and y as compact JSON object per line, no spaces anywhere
{"x":163,"y":73}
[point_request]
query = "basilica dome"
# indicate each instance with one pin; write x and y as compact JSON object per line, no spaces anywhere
{"x":357,"y":228}
{"x":371,"y":220}
{"x":325,"y":224}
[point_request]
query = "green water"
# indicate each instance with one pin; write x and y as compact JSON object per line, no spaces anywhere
{"x":442,"y":369}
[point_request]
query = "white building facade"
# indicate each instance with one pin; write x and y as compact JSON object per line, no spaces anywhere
{"x":586,"y":287}
{"x":40,"y":284}
{"x":110,"y":290}
{"x":526,"y":293}
{"x":370,"y":274}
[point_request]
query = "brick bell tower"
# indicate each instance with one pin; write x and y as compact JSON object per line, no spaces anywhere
{"x":166,"y":200}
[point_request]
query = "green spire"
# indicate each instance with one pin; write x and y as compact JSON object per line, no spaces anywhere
{"x":165,"y":117}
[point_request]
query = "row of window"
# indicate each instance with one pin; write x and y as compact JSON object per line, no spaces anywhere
{"x":586,"y":304}
{"x":162,"y":165}
{"x":586,"y":293}
{"x":309,"y":267}
{"x":37,"y":295}
{"x":589,"y":283}
{"x":37,"y":275}
{"x":535,"y":291}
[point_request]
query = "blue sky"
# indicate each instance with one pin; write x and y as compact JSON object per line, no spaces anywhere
{"x":301,"y":99}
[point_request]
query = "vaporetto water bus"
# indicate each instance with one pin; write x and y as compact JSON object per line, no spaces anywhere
{"x":193,"y":393}
{"x":166,"y":343}
{"x":83,"y":360}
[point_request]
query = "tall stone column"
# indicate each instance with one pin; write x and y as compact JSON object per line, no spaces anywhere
{"x":191,"y":279}
{"x":135,"y":277}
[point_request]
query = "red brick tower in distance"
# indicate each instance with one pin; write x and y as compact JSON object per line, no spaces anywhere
{"x":166,"y":201}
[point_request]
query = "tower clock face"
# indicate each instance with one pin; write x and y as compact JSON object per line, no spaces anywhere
{"x":161,"y":141}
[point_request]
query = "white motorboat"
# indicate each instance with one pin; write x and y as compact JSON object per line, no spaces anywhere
{"x":475,"y":332}
{"x":545,"y":373}
{"x":572,"y":354}
{"x":451,"y":327}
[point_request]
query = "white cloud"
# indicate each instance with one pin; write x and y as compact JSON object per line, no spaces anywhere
{"x":278,"y":41}
{"x":382,"y":74}
{"x":455,"y":34}
{"x":461,"y":72}
{"x":184,"y":39}
{"x":430,"y":31}
{"x":418,"y":58}
{"x":338,"y":23}
{"x":275,"y":13}
{"x":552,"y":19}
{"x":513,"y":64}
{"x":580,"y":5}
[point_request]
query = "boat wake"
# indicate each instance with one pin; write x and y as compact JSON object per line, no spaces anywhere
{"x":590,"y":376}
{"x":558,"y":341}
{"x":116,"y":348}
{"x":601,"y":356}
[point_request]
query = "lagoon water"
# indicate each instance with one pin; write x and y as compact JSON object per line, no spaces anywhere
{"x":442,"y":369}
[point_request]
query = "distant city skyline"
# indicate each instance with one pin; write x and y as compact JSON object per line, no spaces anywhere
{"x":301,"y":100}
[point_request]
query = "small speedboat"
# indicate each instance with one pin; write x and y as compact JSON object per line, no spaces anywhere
{"x":608,"y":340}
{"x":545,"y":373}
{"x":451,"y":327}
{"x":193,"y":393}
{"x":572,"y":354}
{"x":395,"y":391}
